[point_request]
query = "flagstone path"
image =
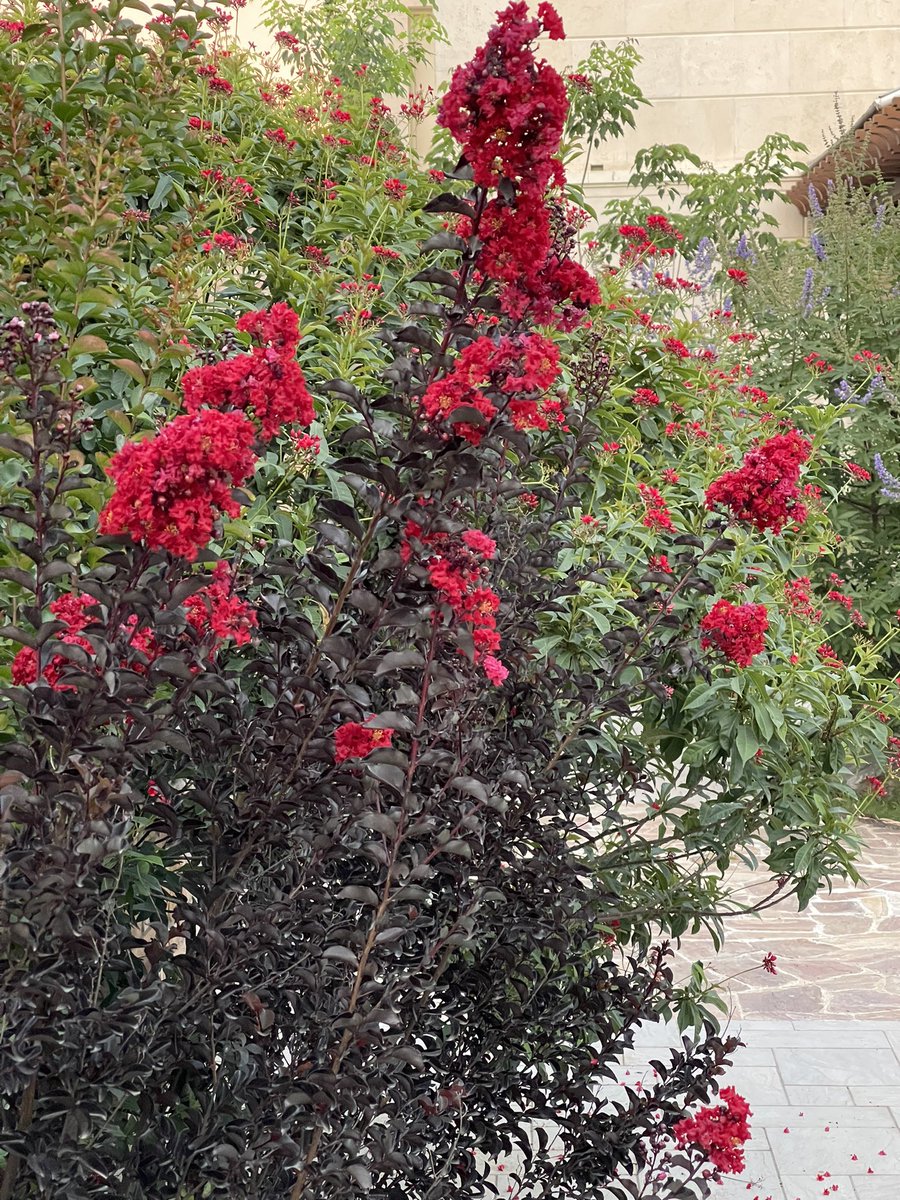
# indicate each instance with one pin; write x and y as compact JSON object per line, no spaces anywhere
{"x":839,"y":958}
{"x":821,"y":1062}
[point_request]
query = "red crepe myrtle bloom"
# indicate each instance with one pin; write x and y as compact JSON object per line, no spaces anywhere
{"x":353,"y":740}
{"x":720,"y":1131}
{"x":737,"y":630}
{"x":551,"y":21}
{"x":480,"y":543}
{"x":267,"y":383}
{"x":71,"y":609}
{"x":518,"y":368}
{"x":506,"y":109}
{"x":763,"y":491}
{"x":656,"y":511}
{"x":216,"y":610}
{"x":171,"y":488}
{"x":494,"y":669}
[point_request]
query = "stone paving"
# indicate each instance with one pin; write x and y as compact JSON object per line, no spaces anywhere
{"x":825,"y":1097}
{"x":821,"y":1064}
{"x":839,"y":958}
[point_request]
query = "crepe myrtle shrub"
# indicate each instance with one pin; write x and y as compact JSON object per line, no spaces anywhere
{"x":324,"y":874}
{"x":258,"y":940}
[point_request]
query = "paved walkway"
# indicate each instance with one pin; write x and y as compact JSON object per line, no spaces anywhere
{"x":839,"y":958}
{"x":825,"y":1098}
{"x":821,"y":1065}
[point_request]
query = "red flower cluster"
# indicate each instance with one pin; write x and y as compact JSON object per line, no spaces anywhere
{"x":739,"y":276}
{"x":656,"y":511}
{"x":456,"y":571}
{"x":353,"y":740}
{"x":645,"y":398}
{"x":763,"y":490}
{"x":71,"y":609}
{"x":13,"y":29}
{"x":719,"y":1131}
{"x":798,"y":595}
{"x":217,"y":611}
{"x":395,"y":188}
{"x":516,"y":371}
{"x":267,"y":383}
{"x":817,"y":365}
{"x":507,"y":110}
{"x":857,"y":472}
{"x":645,"y":239}
{"x":737,"y":630}
{"x":171,"y":488}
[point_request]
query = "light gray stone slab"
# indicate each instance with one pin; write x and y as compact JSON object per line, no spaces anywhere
{"x":846,"y":1115}
{"x":802,"y":1094}
{"x":815,"y":1038}
{"x":805,"y":1187}
{"x":846,"y":1067}
{"x":865,"y":1094}
{"x":809,"y":1151}
{"x":877,"y":1187}
{"x":769,"y":1189}
{"x":758,"y":1085}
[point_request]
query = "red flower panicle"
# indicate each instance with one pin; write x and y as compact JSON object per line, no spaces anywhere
{"x":763,"y":491}
{"x":172,"y":488}
{"x":513,"y":373}
{"x":720,"y":1131}
{"x":216,"y":610}
{"x":507,"y":110}
{"x":353,"y":740}
{"x":737,"y":630}
{"x":267,"y":383}
{"x":656,"y":511}
{"x":71,"y":609}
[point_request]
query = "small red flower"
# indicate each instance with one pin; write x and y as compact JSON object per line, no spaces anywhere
{"x":353,"y":740}
{"x":395,"y":188}
{"x":768,"y":964}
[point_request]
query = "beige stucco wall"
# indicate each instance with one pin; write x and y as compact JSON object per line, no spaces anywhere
{"x":721,"y":74}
